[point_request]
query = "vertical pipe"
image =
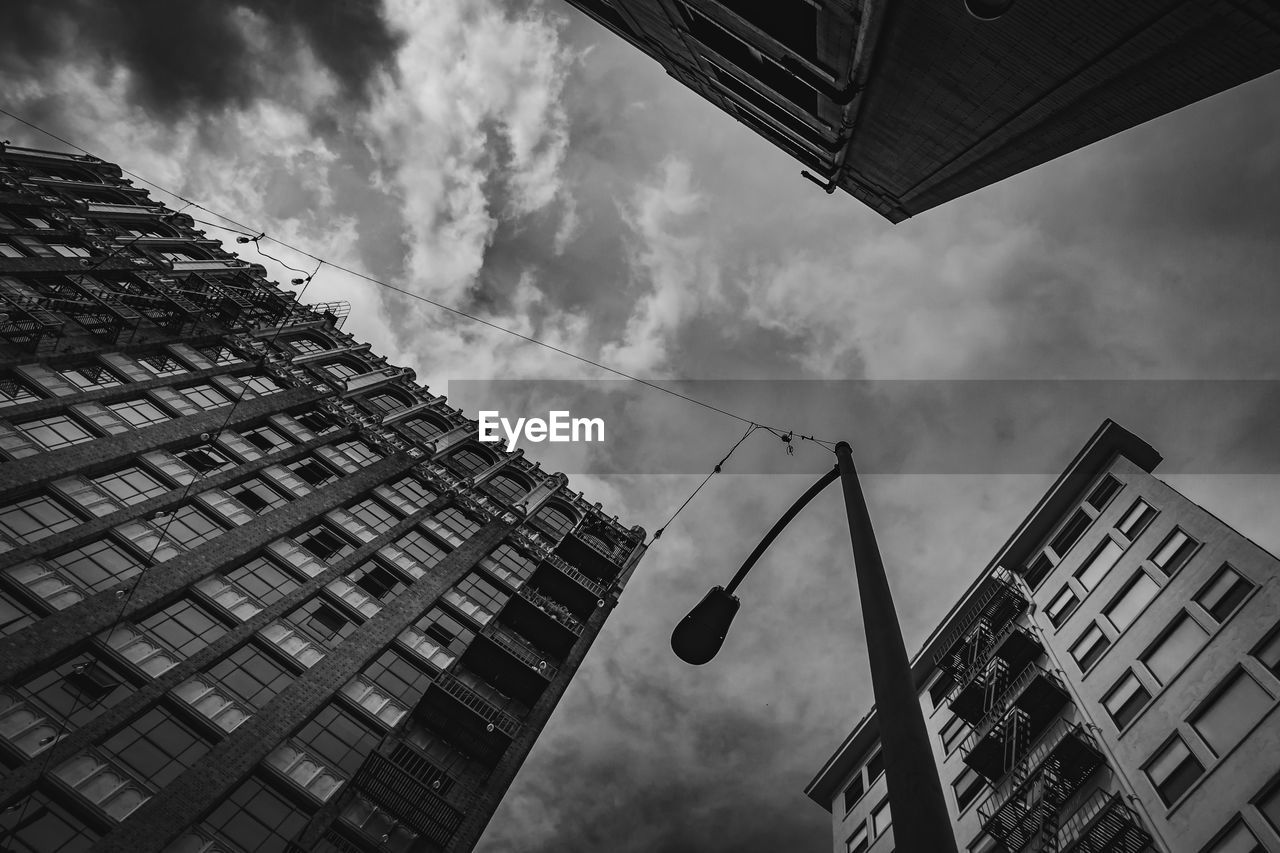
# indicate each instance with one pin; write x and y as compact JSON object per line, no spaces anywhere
{"x":921,"y":822}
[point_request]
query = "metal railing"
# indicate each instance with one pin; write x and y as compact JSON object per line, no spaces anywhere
{"x":1032,"y":767}
{"x":552,"y":608}
{"x":394,"y":789}
{"x":1104,"y":824}
{"x":481,"y":706}
{"x":1001,"y":705}
{"x":594,"y":587}
{"x":521,"y":649}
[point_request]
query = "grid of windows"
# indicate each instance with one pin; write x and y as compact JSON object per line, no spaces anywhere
{"x":413,"y":490}
{"x":555,"y":521}
{"x":55,"y":431}
{"x":78,"y":690}
{"x":258,"y":496}
{"x":507,"y":487}
{"x":423,"y":428}
{"x":384,"y":402}
{"x":1136,"y":519}
{"x":35,"y":518}
{"x":1125,"y":607}
{"x":378,"y":581}
{"x":156,"y":747}
{"x":457,"y":521}
{"x":1126,"y":699}
{"x":14,"y":392}
{"x":138,"y":413}
{"x":1173,"y":770}
{"x":1177,"y":645}
{"x":44,"y":826}
{"x":255,"y":817}
{"x":1235,"y":708}
{"x":323,"y":543}
{"x":162,"y":364}
{"x":306,"y":345}
{"x":89,"y":377}
{"x":263,"y":385}
{"x":360,"y":452}
{"x":323,"y":621}
{"x":1174,"y":552}
{"x":338,"y":739}
{"x":1090,"y":647}
{"x":184,"y":626}
{"x":205,"y":396}
{"x":1222,"y":595}
{"x":252,"y":675}
{"x":513,"y":561}
{"x":1099,"y":564}
{"x":220,"y":354}
{"x":204,"y":459}
{"x":374,"y":514}
{"x":98,"y":565}
{"x":266,"y":439}
{"x":130,"y":485}
{"x":341,"y":370}
{"x":480,"y":590}
{"x":312,"y":471}
{"x":189,"y":526}
{"x":421,"y":548}
{"x":316,"y":421}
{"x":396,"y":677}
{"x":262,"y":579}
{"x":447,"y":630}
{"x":468,"y":461}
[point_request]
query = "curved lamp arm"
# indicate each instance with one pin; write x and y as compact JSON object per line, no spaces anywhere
{"x":700,"y":634}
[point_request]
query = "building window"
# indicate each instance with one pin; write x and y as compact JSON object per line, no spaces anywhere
{"x":378,"y":581}
{"x":1126,"y":699}
{"x":458,"y":521}
{"x":251,"y":675}
{"x":952,"y":733}
{"x":554,"y":521}
{"x":854,"y":792}
{"x":35,"y":518}
{"x":1268,"y":651}
{"x":414,"y":491}
{"x":263,"y":385}
{"x":1237,"y":838}
{"x":162,"y":364}
{"x":205,"y":396}
{"x":190,"y":527}
{"x":220,"y":354}
{"x":255,"y":817}
{"x":374,"y":514}
{"x":384,"y":403}
{"x":203,"y":460}
{"x":306,"y":346}
{"x":875,"y":766}
{"x":468,"y":462}
{"x":263,"y":580}
{"x":422,"y":549}
{"x":1174,"y":552}
{"x":338,"y":739}
{"x":1102,"y":561}
{"x":98,"y":565}
{"x":857,"y":843}
{"x":396,"y":677}
{"x":324,"y":544}
{"x":423,"y":428}
{"x":881,"y":819}
{"x":1070,"y":533}
{"x":156,"y":747}
{"x":1173,"y":770}
{"x":1062,"y":606}
{"x":55,"y":431}
{"x":130,"y":485}
{"x":89,"y":377}
{"x":1236,"y":707}
{"x":68,"y":250}
{"x":1269,"y":804}
{"x":258,"y":496}
{"x":1125,"y":607}
{"x":78,"y":690}
{"x":316,"y":421}
{"x":1179,"y":643}
{"x":14,"y":392}
{"x":507,"y":488}
{"x":43,"y":826}
{"x":266,"y":439}
{"x":341,"y":370}
{"x":8,"y":250}
{"x":1222,"y":595}
{"x":184,"y":626}
{"x":138,"y":413}
{"x":509,"y":560}
{"x":359,"y":452}
{"x":482,"y":592}
{"x":966,"y":787}
{"x":1090,"y":647}
{"x":1103,"y":492}
{"x":323,"y":621}
{"x":445,"y":629}
{"x":1136,"y":519}
{"x":13,"y":616}
{"x":312,"y":471}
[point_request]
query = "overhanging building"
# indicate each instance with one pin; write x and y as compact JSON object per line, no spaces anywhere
{"x":1109,"y":684}
{"x":907,"y":104}
{"x":259,"y":591}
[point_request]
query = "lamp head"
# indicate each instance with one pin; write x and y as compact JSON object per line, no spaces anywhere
{"x":699,"y":635}
{"x":987,"y":10}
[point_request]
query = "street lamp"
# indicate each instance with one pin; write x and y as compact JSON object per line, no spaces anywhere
{"x":923,"y":824}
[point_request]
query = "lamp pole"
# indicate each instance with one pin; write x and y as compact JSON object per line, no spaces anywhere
{"x":921,"y":823}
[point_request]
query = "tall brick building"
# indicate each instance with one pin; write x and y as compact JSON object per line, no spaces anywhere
{"x":1110,"y":683}
{"x":906,"y":104}
{"x":259,"y":591}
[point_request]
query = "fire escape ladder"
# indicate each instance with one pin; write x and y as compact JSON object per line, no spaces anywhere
{"x":996,"y":682}
{"x":1016,"y":742}
{"x":1051,"y":807}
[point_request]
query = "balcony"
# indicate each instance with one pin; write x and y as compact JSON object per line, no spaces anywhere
{"x":569,"y":586}
{"x":1016,"y":719}
{"x":1013,"y":648}
{"x":510,"y":663}
{"x":470,"y":720}
{"x":408,"y":799}
{"x":546,"y":622}
{"x":998,"y":604}
{"x":1104,"y":824}
{"x":596,"y":559}
{"x":1059,"y":765}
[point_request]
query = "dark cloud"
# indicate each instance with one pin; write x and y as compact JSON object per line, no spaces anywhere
{"x":197,"y":55}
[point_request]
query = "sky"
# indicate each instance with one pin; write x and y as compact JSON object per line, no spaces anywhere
{"x":515,"y":160}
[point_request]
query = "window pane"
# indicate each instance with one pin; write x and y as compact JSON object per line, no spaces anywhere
{"x":1232,"y":713}
{"x":1090,"y":647}
{"x":1062,"y":605}
{"x":1174,"y":552}
{"x":35,"y":518}
{"x":131,"y":485}
{"x":1269,"y":652}
{"x":55,"y":432}
{"x":857,"y":843}
{"x":881,"y":819}
{"x":1269,"y":805}
{"x":1174,"y":649}
{"x":875,"y":766}
{"x":967,"y":786}
{"x":1102,"y":561}
{"x":184,"y":627}
{"x":1070,"y":533}
{"x":263,"y":580}
{"x":1126,"y":699}
{"x":1103,"y":492}
{"x":156,"y":748}
{"x":252,"y":675}
{"x":1174,"y":770}
{"x":43,"y":826}
{"x":1224,"y":593}
{"x":1136,"y":519}
{"x":98,"y":565}
{"x":1237,"y":839}
{"x":1141,"y":590}
{"x":205,"y":396}
{"x":854,"y":792}
{"x":257,"y":818}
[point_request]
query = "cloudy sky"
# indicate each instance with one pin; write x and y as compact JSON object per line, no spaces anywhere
{"x":513,"y":159}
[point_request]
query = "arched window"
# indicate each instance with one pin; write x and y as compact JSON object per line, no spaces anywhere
{"x":424,"y":428}
{"x":555,"y":520}
{"x":307,"y":344}
{"x":507,"y":487}
{"x":468,"y":461}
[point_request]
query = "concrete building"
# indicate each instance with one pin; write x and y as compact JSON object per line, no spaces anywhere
{"x":259,"y":591}
{"x":906,"y":104}
{"x":1108,"y":683}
